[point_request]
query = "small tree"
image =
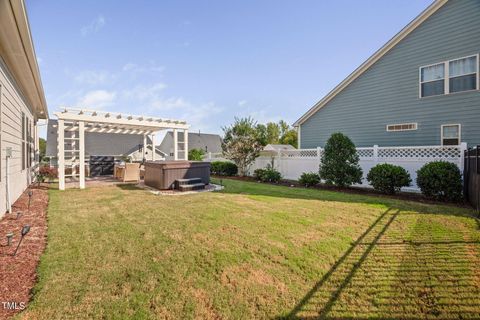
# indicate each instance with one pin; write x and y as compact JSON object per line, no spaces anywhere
{"x":196,"y":154}
{"x":339,"y":163}
{"x":241,"y":143}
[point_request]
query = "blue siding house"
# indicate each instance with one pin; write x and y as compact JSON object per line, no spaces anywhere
{"x":421,"y":88}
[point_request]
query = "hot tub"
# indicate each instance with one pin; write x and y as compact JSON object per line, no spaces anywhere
{"x":162,"y":174}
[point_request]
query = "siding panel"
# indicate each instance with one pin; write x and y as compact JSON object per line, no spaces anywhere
{"x":12,"y":105}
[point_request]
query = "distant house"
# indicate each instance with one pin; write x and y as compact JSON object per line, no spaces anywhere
{"x":420,"y":88}
{"x":22,"y":103}
{"x":204,"y":141}
{"x":113,"y":145}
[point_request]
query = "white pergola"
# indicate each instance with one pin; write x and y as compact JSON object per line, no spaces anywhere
{"x":75,"y":122}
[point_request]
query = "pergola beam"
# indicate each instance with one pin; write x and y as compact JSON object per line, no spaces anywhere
{"x":111,"y":118}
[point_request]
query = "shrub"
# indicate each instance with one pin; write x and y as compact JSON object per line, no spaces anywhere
{"x":269,"y":174}
{"x":339,"y":163}
{"x":440,"y":180}
{"x":223,"y":168}
{"x":196,"y":155}
{"x":46,"y":172}
{"x":309,"y":179}
{"x":258,"y":174}
{"x":388,"y":178}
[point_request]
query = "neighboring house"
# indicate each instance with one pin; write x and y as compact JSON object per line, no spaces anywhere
{"x":103,"y":144}
{"x":421,"y":88}
{"x":204,"y":141}
{"x":22,"y":103}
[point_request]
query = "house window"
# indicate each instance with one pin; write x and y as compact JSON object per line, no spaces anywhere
{"x":402,"y":127}
{"x":432,"y":80}
{"x":450,"y":134}
{"x":463,"y":74}
{"x":450,"y":77}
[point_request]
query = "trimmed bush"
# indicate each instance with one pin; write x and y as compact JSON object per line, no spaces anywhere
{"x":388,"y":178}
{"x":440,"y":180}
{"x":269,"y":174}
{"x":309,"y":179}
{"x":339,"y":163}
{"x":223,"y":168}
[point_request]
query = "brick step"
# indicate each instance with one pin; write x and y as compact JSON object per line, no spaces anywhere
{"x":191,"y":187}
{"x":181,"y":182}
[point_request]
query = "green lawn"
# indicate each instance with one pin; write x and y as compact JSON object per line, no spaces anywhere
{"x":255,"y":251}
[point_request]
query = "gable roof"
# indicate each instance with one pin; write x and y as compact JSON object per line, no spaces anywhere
{"x":204,"y":141}
{"x":437,"y":4}
{"x":102,"y":144}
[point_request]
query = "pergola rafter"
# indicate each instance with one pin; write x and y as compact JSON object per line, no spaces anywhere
{"x":74,"y":120}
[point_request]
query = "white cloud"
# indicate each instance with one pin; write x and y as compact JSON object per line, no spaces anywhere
{"x":97,"y":99}
{"x":169,"y":103}
{"x":144,"y":93}
{"x":135,"y":68}
{"x":241,"y":103}
{"x":92,"y":77}
{"x":94,"y":26}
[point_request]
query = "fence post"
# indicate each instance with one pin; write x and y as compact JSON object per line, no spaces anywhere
{"x":375,"y":153}
{"x":209,"y":155}
{"x":319,"y":155}
{"x":463,"y":147}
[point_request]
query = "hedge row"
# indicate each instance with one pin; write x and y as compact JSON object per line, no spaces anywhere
{"x":437,"y":180}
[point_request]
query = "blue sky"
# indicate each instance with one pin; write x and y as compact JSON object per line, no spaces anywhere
{"x":207,"y":61}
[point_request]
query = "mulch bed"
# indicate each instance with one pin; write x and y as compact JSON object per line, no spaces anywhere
{"x":408,"y":196}
{"x":18,"y":273}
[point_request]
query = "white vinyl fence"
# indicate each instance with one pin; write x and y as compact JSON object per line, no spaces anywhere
{"x":292,"y":163}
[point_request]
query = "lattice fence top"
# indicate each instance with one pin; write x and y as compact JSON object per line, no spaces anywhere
{"x":371,"y":153}
{"x":435,"y":152}
{"x":300,"y":153}
{"x":365,"y":152}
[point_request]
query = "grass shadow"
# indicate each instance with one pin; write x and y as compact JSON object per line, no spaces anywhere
{"x":385,"y":275}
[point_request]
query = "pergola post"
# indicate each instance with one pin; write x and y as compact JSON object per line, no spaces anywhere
{"x":175,"y":144}
{"x":144,"y":147}
{"x":81,"y":138}
{"x":153,"y":146}
{"x":185,"y":144}
{"x":61,"y":155}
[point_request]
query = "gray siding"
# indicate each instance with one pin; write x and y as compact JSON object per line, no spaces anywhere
{"x":12,"y":105}
{"x":388,"y":92}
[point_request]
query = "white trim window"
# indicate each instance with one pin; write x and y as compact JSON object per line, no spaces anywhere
{"x":432,"y":80}
{"x":402,"y":127}
{"x":463,"y":74}
{"x":451,"y":134}
{"x":458,"y":75}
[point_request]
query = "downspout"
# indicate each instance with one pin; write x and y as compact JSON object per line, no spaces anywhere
{"x":7,"y":180}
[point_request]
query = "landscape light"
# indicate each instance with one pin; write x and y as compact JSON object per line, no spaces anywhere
{"x":30,"y":194}
{"x":9,"y":239}
{"x":25,"y":230}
